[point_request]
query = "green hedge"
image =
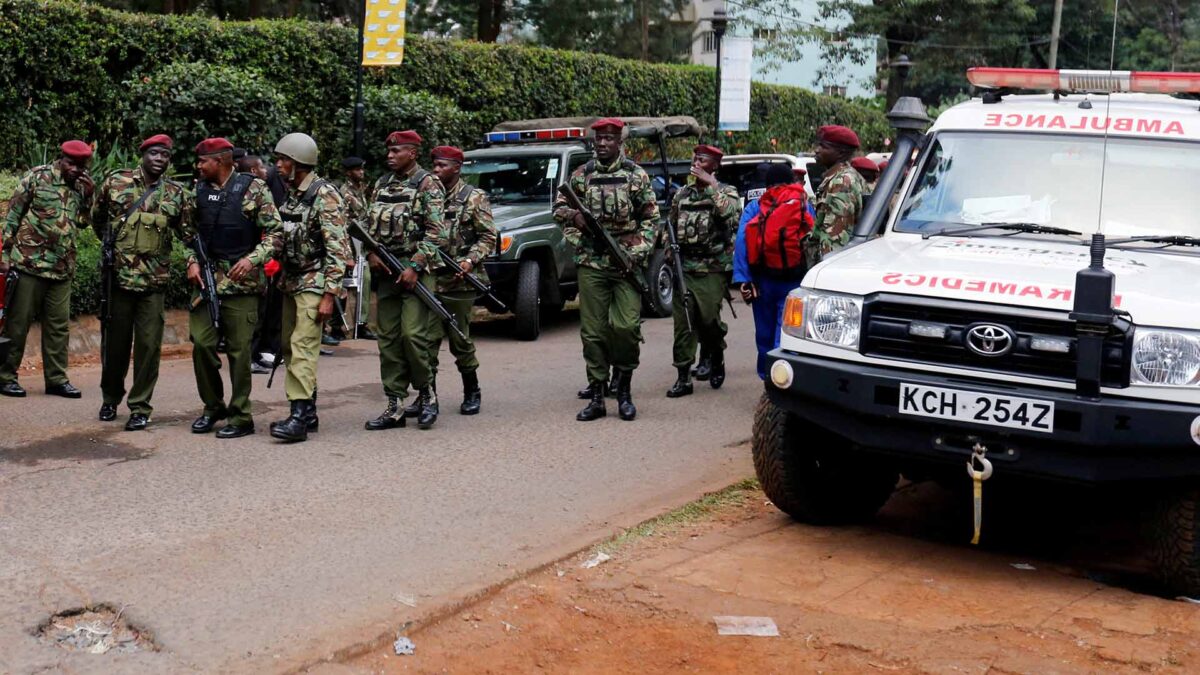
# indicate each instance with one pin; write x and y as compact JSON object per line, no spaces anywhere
{"x":88,"y":62}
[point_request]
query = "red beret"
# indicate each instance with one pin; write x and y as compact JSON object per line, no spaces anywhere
{"x":213,"y":146}
{"x":864,"y":164}
{"x":606,"y":122}
{"x":710,"y":150}
{"x":883,"y":165}
{"x":76,"y":149}
{"x":448,"y":152}
{"x":408,"y":137}
{"x":158,"y":139}
{"x":838,"y":135}
{"x":799,"y":171}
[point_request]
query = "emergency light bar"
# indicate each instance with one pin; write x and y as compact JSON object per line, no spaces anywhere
{"x":534,"y":135}
{"x":1086,"y":81}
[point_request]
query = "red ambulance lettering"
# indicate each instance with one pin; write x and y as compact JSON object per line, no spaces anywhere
{"x":1149,"y":126}
{"x":915,"y":279}
{"x":976,"y":286}
{"x":1122,"y":124}
{"x":1057,"y":122}
{"x":892,"y":278}
{"x":1174,"y":128}
{"x":1031,"y":290}
{"x":952,"y":284}
{"x":1001,"y":288}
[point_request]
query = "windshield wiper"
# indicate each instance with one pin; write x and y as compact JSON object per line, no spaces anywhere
{"x":1169,"y":240}
{"x":1015,"y":227}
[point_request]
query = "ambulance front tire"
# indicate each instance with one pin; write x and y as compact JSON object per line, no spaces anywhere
{"x":813,"y":475}
{"x":1174,"y":534}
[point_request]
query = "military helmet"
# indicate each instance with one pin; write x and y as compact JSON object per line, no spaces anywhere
{"x":300,"y":147}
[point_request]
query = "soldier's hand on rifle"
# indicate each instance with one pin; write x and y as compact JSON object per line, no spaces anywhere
{"x":465,"y":267}
{"x":579,"y":220}
{"x":409,"y":278}
{"x":193,"y":275}
{"x":326,"y":308}
{"x":377,"y":265}
{"x":703,"y":177}
{"x":241,"y":269}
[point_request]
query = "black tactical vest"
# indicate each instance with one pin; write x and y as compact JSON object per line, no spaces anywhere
{"x":227,"y":232}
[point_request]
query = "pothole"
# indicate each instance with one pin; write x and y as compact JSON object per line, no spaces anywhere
{"x":99,"y":629}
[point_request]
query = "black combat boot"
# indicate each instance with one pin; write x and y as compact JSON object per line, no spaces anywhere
{"x":295,"y":427}
{"x":586,"y":393}
{"x":472,"y":396}
{"x":414,"y":409}
{"x":718,"y":371}
{"x":310,"y":418}
{"x":611,"y":389}
{"x":703,"y":370}
{"x":683,"y":385}
{"x":595,"y":408}
{"x":391,"y":417}
{"x":625,"y":408}
{"x":429,"y":407}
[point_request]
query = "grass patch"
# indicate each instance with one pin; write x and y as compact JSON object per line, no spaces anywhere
{"x":689,"y":513}
{"x":8,"y":184}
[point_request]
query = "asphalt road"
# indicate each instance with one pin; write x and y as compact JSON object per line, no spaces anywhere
{"x":250,"y":555}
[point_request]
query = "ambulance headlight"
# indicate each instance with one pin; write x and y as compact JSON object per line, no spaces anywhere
{"x":829,"y":318}
{"x":1169,"y":358}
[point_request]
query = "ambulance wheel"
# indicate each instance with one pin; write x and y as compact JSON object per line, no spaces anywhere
{"x":813,"y":475}
{"x":1175,"y":541}
{"x":527,"y":316}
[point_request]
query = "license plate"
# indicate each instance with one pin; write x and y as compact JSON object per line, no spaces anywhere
{"x":968,"y":406}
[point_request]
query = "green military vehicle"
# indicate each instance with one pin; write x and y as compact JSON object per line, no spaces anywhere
{"x":520,"y":166}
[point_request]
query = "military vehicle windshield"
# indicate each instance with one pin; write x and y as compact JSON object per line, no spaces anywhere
{"x":512,"y":180}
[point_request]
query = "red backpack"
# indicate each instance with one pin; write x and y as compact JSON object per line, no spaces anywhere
{"x":774,"y":236}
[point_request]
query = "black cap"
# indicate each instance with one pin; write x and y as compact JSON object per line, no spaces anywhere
{"x":238,"y":153}
{"x":352,"y":162}
{"x":780,"y":174}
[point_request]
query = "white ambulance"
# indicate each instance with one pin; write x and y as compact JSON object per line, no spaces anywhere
{"x":965,"y":344}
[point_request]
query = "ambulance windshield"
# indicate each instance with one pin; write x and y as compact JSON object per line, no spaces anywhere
{"x":1054,"y":180}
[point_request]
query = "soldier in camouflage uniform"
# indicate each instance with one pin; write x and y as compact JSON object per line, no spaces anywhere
{"x":839,"y":198}
{"x":50,"y":204}
{"x":142,"y":211}
{"x":356,"y":192}
{"x":236,"y":218}
{"x":472,"y":237}
{"x":618,"y":193}
{"x":314,"y":251}
{"x":406,"y":217}
{"x":705,"y":216}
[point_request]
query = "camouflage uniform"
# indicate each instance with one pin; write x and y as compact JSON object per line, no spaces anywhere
{"x":472,"y":237}
{"x":621,"y":198}
{"x":142,"y":271}
{"x":839,"y":201}
{"x":239,"y":307}
{"x":313,"y":250}
{"x":705,"y":221}
{"x":357,"y":197}
{"x":405,"y":217}
{"x":39,"y":243}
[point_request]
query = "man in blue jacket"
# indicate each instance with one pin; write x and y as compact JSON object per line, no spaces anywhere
{"x":766,"y":296}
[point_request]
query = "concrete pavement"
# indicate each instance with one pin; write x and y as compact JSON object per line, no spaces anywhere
{"x":250,"y":555}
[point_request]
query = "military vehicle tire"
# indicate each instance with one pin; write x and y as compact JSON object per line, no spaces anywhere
{"x":527,"y":317}
{"x":815,"y":476}
{"x":659,"y":279}
{"x":1175,"y":541}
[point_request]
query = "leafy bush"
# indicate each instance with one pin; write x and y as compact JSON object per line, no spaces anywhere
{"x":390,"y":108}
{"x":193,"y":101}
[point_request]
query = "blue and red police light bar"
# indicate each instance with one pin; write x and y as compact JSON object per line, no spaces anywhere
{"x":535,"y":135}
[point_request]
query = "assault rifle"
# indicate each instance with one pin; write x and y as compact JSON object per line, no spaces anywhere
{"x":396,"y":268}
{"x":681,"y":289}
{"x":208,"y":282}
{"x":474,"y":281}
{"x":605,"y":240}
{"x":8,"y":290}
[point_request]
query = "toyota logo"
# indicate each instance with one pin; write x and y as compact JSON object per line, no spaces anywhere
{"x":989,"y":339}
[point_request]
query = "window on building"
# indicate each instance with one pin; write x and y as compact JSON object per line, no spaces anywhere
{"x":835,"y":90}
{"x":766,"y":34}
{"x":710,"y":42}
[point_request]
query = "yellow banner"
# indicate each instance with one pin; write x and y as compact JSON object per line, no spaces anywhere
{"x":383,"y":32}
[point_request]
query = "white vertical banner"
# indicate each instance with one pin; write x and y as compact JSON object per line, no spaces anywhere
{"x":737,"y":57}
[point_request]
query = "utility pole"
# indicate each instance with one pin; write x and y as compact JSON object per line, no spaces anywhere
{"x":720,"y":23}
{"x":1055,"y":26}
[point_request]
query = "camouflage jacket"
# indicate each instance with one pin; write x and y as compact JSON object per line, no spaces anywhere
{"x":706,"y":221}
{"x":143,"y":240}
{"x":357,"y":197}
{"x":405,"y":216}
{"x":258,"y":205}
{"x":314,"y":248}
{"x":472,"y":233}
{"x":622,"y":200}
{"x":838,"y":203}
{"x":40,"y":230}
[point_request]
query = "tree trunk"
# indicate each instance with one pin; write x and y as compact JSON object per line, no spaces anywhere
{"x":254,"y":9}
{"x":168,"y":7}
{"x":490,"y":15}
{"x":293,"y":7}
{"x":645,"y":22}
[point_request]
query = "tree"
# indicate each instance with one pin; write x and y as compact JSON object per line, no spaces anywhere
{"x":648,"y":30}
